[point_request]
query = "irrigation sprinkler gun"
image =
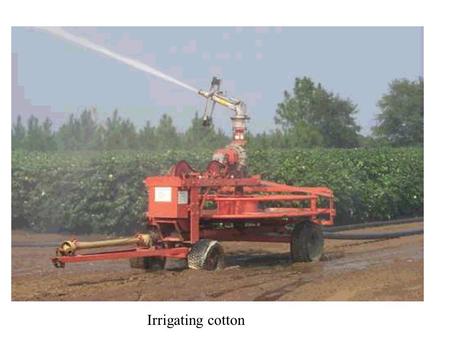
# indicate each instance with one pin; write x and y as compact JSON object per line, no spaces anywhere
{"x":190,"y":211}
{"x":213,"y":96}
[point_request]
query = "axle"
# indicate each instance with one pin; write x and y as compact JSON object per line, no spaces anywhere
{"x":69,"y":248}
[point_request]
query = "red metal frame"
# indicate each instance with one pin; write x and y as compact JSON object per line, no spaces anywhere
{"x":180,"y":252}
{"x":238,"y":200}
{"x":226,"y":209}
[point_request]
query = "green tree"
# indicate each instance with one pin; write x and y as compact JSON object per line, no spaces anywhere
{"x":203,"y":137}
{"x":88,"y":129}
{"x":39,"y":137}
{"x":147,"y":137}
{"x":79,"y":133}
{"x":312,"y":116}
{"x":266,"y":140}
{"x":19,"y":134}
{"x":400,"y":121}
{"x":68,"y":135}
{"x":48,"y":136}
{"x":166,"y":133}
{"x":119,"y":133}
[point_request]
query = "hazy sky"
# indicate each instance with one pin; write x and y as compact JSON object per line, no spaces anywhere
{"x":52,"y":77}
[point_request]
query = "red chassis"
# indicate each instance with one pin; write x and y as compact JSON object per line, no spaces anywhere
{"x":184,"y":209}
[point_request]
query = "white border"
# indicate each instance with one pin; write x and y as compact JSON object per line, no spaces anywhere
{"x":51,"y":319}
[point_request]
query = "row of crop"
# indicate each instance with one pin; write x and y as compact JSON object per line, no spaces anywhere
{"x":369,"y":184}
{"x":85,"y":192}
{"x":104,"y":192}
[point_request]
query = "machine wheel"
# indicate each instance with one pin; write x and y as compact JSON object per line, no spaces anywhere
{"x":306,"y":242}
{"x":206,"y":254}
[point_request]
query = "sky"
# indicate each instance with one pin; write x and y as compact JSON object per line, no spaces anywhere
{"x":53,"y":78}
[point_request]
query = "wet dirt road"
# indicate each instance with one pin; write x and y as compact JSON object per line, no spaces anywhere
{"x":349,"y":270}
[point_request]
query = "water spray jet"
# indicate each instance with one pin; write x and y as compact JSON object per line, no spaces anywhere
{"x":63,"y":34}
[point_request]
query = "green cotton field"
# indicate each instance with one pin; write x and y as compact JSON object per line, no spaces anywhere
{"x":103,"y":192}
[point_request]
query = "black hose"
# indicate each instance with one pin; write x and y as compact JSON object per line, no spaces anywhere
{"x":367,"y":236}
{"x":35,"y":245}
{"x":339,"y":228}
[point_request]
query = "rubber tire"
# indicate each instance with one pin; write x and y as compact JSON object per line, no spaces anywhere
{"x":306,"y":242}
{"x":206,"y":254}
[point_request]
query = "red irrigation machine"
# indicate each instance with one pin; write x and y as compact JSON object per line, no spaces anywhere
{"x":190,"y":211}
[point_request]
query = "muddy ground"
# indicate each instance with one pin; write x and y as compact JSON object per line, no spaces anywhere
{"x":349,"y":270}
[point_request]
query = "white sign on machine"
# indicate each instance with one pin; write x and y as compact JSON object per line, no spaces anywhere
{"x":163,"y":194}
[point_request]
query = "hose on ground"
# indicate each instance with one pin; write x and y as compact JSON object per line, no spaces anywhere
{"x":369,"y":236}
{"x":339,"y":228}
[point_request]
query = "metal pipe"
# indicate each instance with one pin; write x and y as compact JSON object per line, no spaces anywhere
{"x":68,"y":248}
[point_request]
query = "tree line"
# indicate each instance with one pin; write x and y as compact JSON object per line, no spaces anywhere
{"x":309,"y":116}
{"x":85,"y":133}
